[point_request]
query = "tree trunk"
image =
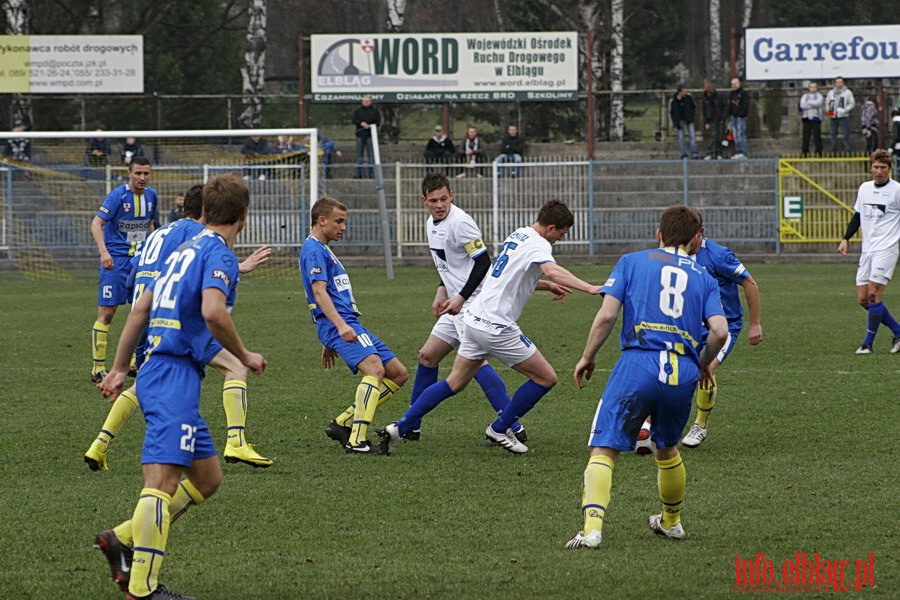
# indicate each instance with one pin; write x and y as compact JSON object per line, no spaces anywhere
{"x":616,"y":72}
{"x":253,"y":73}
{"x":716,"y":66}
{"x":390,"y":113}
{"x":17,"y":23}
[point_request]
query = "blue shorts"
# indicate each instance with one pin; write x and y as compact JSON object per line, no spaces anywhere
{"x":734,"y":332}
{"x":365,"y":345}
{"x":113,"y":290}
{"x":168,"y":390}
{"x":636,"y":390}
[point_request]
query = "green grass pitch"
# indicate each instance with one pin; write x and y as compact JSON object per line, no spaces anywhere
{"x":799,"y":459}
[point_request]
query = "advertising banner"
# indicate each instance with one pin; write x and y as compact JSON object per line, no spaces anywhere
{"x":870,"y":51}
{"x":449,"y":67}
{"x":71,"y":64}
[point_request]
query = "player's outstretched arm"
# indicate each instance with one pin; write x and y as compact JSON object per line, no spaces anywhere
{"x":751,"y":294}
{"x":564,"y":277}
{"x":259,"y":257}
{"x":218,"y":321}
{"x":597,"y":336}
{"x":559,"y":291}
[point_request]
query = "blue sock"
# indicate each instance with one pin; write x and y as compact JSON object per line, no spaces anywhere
{"x":876,"y":313}
{"x":425,"y":377}
{"x":495,"y":389}
{"x":522,"y":401}
{"x":888,"y":319}
{"x":425,"y":403}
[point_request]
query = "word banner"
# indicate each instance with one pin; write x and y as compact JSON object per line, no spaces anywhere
{"x":450,"y":67}
{"x":823,"y":52}
{"x":71,"y":64}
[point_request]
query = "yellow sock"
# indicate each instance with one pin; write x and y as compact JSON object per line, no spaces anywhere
{"x":119,"y":414}
{"x":671,"y":479}
{"x":706,"y":400}
{"x":366,"y":402}
{"x":597,"y":483}
{"x":150,"y":525}
{"x":183,"y":499}
{"x":234,"y":399}
{"x":125,"y":532}
{"x":387,"y":390}
{"x":345,"y":419}
{"x":98,"y":346}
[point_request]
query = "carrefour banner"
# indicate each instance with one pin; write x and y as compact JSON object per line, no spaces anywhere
{"x":823,"y":52}
{"x":71,"y":64}
{"x":445,"y":67}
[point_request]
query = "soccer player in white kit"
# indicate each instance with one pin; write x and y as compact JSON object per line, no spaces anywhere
{"x":462,"y":261}
{"x":877,"y":212}
{"x":490,"y":329}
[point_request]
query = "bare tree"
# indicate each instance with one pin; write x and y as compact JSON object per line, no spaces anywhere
{"x":745,"y":23}
{"x":253,"y":73}
{"x":716,"y":65}
{"x":17,"y":23}
{"x":616,"y":72}
{"x":390,"y":113}
{"x":498,"y":13}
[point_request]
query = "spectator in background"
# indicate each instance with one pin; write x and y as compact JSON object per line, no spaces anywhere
{"x":682,"y":110}
{"x":253,"y":148}
{"x":177,"y":212}
{"x":811,"y":114}
{"x":285,"y":144}
{"x":365,"y":115}
{"x":715,"y":112}
{"x":131,"y":148}
{"x":97,"y":151}
{"x":512,"y":148}
{"x":440,"y":148}
{"x":18,"y":148}
{"x":328,"y":151}
{"x":868,"y":120}
{"x":839,"y":102}
{"x":473,"y":149}
{"x":739,"y":110}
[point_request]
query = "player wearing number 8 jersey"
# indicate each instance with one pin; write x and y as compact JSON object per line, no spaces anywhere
{"x":490,"y":329}
{"x":329,"y":296}
{"x":665,"y":297}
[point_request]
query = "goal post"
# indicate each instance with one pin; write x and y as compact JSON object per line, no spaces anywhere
{"x":51,"y":194}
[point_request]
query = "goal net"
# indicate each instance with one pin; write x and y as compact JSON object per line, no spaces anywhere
{"x":53,"y":183}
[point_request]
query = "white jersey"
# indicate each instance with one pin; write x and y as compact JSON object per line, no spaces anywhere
{"x":879,"y":212}
{"x":455,"y":241}
{"x":510,"y":282}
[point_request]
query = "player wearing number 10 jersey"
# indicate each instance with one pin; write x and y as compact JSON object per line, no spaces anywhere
{"x":665,"y":297}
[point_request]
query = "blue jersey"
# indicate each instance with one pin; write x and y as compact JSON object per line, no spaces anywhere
{"x":666,"y":296}
{"x":128,"y":219}
{"x":318,"y":263}
{"x":728,"y":271}
{"x":177,"y":327}
{"x":157,"y":249}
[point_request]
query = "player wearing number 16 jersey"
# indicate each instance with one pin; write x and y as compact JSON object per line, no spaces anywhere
{"x":665,"y":297}
{"x":490,"y":329}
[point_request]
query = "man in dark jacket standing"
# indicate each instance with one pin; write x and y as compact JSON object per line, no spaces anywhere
{"x":512,"y":149}
{"x":715,"y":112}
{"x":364,"y":117}
{"x":738,"y":109}
{"x":682,"y":110}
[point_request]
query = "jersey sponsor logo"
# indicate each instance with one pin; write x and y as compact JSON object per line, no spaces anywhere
{"x":610,"y":282}
{"x":128,"y":225}
{"x":315,"y":271}
{"x":165,"y":323}
{"x":220,"y":274}
{"x":342,"y":282}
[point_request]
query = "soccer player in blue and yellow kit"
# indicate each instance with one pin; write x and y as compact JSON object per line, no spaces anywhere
{"x":329,"y":297}
{"x":731,"y":274}
{"x":665,"y":297}
{"x":150,"y":263}
{"x":120,"y":226}
{"x":186,"y":307}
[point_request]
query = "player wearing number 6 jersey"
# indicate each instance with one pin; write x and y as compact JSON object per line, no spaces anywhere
{"x":490,"y":329}
{"x":665,"y":297}
{"x":329,"y":296}
{"x":186,"y":307}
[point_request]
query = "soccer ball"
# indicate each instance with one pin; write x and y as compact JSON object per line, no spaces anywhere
{"x":643,"y":446}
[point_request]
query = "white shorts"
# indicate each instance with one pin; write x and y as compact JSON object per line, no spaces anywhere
{"x":448,"y":329}
{"x":509,"y":345}
{"x":877,"y":266}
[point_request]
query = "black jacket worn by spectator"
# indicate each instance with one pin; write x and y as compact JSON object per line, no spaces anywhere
{"x":682,"y":110}
{"x":512,"y":145}
{"x":366,"y":114}
{"x":738,"y":103}
{"x":715,"y":108}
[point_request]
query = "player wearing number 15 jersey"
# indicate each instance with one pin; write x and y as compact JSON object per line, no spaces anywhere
{"x":664,"y":297}
{"x":490,"y":329}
